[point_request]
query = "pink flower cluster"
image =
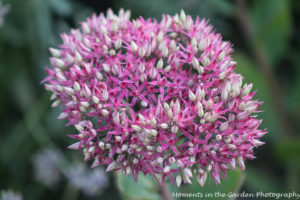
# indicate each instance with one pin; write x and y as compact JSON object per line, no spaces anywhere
{"x":160,"y":98}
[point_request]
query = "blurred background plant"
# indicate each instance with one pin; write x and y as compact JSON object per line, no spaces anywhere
{"x":3,"y":11}
{"x":266,"y":39}
{"x":11,"y":195}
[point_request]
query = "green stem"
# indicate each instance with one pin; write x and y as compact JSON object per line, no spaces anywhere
{"x":165,"y":192}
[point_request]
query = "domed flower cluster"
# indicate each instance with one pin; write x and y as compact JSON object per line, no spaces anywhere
{"x":160,"y":98}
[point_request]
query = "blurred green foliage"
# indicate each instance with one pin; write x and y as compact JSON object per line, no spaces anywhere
{"x":146,"y":188}
{"x":28,"y":125}
{"x":272,"y":24}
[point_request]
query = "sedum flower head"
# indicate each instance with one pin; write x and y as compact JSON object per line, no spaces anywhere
{"x":160,"y":98}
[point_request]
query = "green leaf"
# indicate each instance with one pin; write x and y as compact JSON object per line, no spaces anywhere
{"x":272,"y":23}
{"x":253,"y":75}
{"x":230,"y":185}
{"x":145,"y":189}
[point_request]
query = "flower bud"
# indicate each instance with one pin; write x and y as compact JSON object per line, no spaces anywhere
{"x":104,"y":112}
{"x":159,"y":36}
{"x":76,"y":86}
{"x":192,"y":96}
{"x":78,"y":57}
{"x":164,"y":125}
{"x":118,"y":43}
{"x":160,"y":64}
{"x":136,"y":128}
{"x":224,"y":126}
{"x":95,"y":100}
{"x":133,"y":46}
{"x":55,"y":52}
{"x":178,"y":180}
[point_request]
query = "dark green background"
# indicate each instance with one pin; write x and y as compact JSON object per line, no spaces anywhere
{"x":266,"y":39}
